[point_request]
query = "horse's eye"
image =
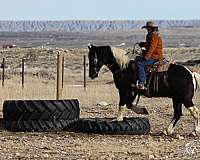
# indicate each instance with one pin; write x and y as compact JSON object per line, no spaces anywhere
{"x":95,"y":61}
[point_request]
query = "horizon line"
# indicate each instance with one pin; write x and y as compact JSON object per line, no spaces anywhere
{"x":101,"y":19}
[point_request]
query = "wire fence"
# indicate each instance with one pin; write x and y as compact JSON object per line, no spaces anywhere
{"x":42,"y":65}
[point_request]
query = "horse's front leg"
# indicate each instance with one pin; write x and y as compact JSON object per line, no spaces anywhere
{"x":122,"y":104}
{"x":121,"y":112}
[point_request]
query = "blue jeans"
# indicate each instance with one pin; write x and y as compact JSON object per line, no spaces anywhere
{"x":141,"y":63}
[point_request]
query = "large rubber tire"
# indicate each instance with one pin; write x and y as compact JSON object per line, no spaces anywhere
{"x":133,"y":126}
{"x":36,"y":110}
{"x":37,"y":126}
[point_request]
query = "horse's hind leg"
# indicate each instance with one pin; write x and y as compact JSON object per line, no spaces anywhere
{"x":196,"y":114}
{"x":177,"y":115}
{"x":193,"y":110}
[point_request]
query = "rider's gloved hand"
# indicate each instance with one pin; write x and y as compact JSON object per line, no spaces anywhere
{"x":142,"y":44}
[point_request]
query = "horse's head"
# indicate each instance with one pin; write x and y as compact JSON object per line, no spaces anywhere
{"x":95,"y":61}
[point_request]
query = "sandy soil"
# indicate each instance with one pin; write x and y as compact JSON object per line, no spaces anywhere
{"x":69,"y":145}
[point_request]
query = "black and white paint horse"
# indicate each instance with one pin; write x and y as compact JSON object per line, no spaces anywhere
{"x":181,"y":83}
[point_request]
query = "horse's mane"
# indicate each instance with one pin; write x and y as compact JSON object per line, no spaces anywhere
{"x":120,"y":56}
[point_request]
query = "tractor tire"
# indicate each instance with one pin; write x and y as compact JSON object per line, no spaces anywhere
{"x":130,"y":126}
{"x":41,"y":110}
{"x":37,"y":126}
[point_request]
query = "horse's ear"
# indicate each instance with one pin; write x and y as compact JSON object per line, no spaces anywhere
{"x":90,"y":46}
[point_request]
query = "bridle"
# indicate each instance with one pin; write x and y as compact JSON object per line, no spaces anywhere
{"x":111,"y":65}
{"x":95,"y":63}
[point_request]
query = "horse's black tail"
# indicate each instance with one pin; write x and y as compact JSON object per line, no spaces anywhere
{"x":197,"y":79}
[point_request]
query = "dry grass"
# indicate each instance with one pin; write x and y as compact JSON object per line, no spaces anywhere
{"x":36,"y":88}
{"x":181,"y":54}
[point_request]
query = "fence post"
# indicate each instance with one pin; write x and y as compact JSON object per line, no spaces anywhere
{"x":23,"y":73}
{"x":3,"y":73}
{"x":59,"y":76}
{"x":63,"y":70}
{"x":84,"y":64}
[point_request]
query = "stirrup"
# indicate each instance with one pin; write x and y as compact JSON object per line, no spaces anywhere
{"x":141,"y":87}
{"x":133,"y":85}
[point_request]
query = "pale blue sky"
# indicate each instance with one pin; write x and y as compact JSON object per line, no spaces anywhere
{"x":99,"y":9}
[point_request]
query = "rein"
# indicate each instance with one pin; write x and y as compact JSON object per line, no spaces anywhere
{"x":113,"y":66}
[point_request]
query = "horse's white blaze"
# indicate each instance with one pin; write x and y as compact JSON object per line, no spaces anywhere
{"x":193,"y":78}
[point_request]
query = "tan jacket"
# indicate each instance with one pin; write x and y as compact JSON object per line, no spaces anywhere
{"x":153,"y":45}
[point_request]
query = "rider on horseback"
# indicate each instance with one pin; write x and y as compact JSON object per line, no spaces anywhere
{"x":153,"y":52}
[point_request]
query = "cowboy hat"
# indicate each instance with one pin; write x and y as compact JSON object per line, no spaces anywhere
{"x":150,"y":24}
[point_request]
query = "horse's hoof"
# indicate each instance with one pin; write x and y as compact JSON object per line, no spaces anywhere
{"x":115,"y":119}
{"x":193,"y":134}
{"x":197,"y":133}
{"x":197,"y":130}
{"x":119,"y":119}
{"x":145,"y":111}
{"x":139,"y":110}
{"x":167,"y":132}
{"x":164,"y":132}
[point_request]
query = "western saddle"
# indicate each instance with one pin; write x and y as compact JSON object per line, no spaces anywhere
{"x":153,"y":72}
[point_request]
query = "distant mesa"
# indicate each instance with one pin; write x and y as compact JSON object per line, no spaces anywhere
{"x":90,"y":25}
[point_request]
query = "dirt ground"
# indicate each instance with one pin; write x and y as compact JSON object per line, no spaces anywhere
{"x":69,"y":145}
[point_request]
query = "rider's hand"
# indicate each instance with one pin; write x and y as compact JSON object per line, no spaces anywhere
{"x":142,"y":44}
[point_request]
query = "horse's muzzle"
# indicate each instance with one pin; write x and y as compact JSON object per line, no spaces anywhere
{"x":94,"y":75}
